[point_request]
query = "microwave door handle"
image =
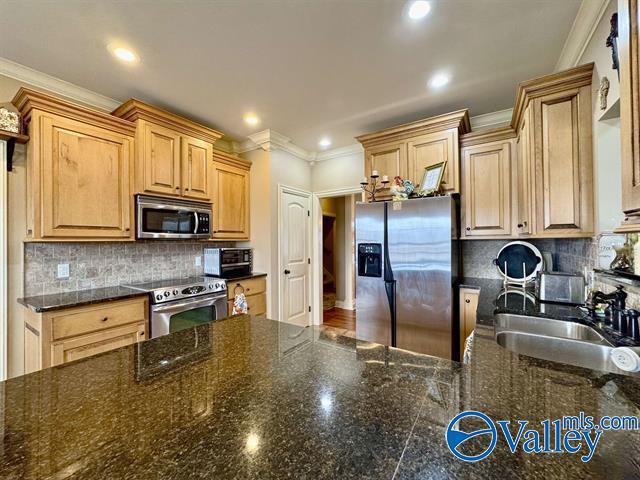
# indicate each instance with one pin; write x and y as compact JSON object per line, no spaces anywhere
{"x":197,"y":222}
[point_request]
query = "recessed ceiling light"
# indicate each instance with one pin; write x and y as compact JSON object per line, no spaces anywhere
{"x":251,"y":119}
{"x":439,"y":80}
{"x":324,"y":142}
{"x":124,"y":54}
{"x":419,"y":9}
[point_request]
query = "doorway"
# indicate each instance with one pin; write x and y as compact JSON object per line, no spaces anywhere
{"x":338,"y":272}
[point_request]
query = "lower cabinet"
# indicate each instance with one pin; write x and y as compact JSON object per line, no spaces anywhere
{"x":60,"y":336}
{"x":468,"y":309}
{"x":254,"y":289}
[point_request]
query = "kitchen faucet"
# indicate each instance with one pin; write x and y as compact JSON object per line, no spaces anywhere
{"x":623,"y":321}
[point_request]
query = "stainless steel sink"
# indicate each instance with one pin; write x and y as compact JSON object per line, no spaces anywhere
{"x":573,"y":352}
{"x":554,"y":340}
{"x":547,"y":326}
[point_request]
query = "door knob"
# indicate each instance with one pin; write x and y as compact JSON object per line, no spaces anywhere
{"x":287,"y":272}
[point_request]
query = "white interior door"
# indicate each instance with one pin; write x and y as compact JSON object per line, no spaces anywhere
{"x":295,"y":268}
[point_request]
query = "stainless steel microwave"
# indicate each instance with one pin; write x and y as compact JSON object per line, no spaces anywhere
{"x":168,"y":218}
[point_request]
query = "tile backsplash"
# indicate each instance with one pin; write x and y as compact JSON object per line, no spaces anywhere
{"x":95,"y":265}
{"x":570,"y":255}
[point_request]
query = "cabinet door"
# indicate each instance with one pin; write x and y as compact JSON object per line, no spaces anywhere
{"x":197,"y":159}
{"x":629,"y":45}
{"x":230,"y":202}
{"x":161,"y":159}
{"x":85,"y":186}
{"x":468,"y":313}
{"x":523,"y":176}
{"x":564,"y":169}
{"x":433,"y":148}
{"x":84,"y":346}
{"x":486,"y":196}
{"x":389,"y":159}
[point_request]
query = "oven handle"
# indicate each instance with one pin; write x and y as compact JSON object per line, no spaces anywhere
{"x":197,"y":222}
{"x":190,"y":303}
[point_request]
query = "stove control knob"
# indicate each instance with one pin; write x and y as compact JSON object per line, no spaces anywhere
{"x":217,"y":286}
{"x":158,"y":297}
{"x":175,"y":292}
{"x":211,"y":286}
{"x":167,"y":293}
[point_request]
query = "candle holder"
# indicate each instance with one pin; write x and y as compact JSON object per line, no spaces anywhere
{"x":373,"y":185}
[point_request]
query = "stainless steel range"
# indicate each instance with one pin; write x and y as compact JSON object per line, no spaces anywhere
{"x":183,"y":303}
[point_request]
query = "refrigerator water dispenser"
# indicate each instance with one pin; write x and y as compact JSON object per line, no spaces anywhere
{"x":370,"y":260}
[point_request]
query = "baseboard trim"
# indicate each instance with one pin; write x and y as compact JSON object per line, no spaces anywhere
{"x":345,"y":305}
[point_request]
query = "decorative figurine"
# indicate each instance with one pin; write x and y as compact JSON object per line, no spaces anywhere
{"x":400,"y":190}
{"x":612,"y":42}
{"x":603,"y":92}
{"x":9,"y":120}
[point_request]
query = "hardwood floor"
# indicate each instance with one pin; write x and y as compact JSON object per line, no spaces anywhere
{"x":343,"y":322}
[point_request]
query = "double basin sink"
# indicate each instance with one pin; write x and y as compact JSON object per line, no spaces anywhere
{"x":556,"y":340}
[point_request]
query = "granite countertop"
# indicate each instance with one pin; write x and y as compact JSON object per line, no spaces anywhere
{"x":247,"y":397}
{"x":58,"y":301}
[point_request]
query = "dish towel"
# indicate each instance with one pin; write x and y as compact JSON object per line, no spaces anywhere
{"x":240,"y":304}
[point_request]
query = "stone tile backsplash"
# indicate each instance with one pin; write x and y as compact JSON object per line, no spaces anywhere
{"x":570,"y":255}
{"x":95,"y":265}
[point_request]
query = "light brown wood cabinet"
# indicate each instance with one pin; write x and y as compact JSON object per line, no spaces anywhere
{"x":486,"y":198}
{"x":468,"y":313}
{"x":78,"y":170}
{"x":629,"y":52}
{"x":553,"y":119}
{"x":255,"y":290}
{"x":60,"y":336}
{"x":407,"y":149}
{"x":231,"y":197}
{"x":174,"y":156}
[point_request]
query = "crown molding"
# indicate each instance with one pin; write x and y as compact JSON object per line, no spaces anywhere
{"x":492,"y":120}
{"x":584,"y":25}
{"x":52,"y":84}
{"x":352,"y":149}
{"x":269,"y":140}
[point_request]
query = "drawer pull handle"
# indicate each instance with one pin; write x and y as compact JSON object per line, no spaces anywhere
{"x":105,"y":319}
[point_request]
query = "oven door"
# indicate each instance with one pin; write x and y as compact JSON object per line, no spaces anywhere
{"x":174,"y":316}
{"x":156,"y":219}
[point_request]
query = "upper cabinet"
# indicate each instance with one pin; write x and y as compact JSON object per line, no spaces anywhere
{"x":174,"y":155}
{"x":553,"y":119}
{"x":629,"y":45}
{"x":79,"y":169}
{"x":230,"y":186}
{"x":486,"y":198}
{"x":407,"y":149}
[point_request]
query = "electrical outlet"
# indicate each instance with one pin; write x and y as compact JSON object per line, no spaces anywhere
{"x":198,"y":260}
{"x":63,"y":270}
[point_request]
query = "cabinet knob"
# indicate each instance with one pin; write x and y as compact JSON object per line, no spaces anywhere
{"x":177,"y":188}
{"x":105,"y":319}
{"x":468,"y":229}
{"x":520,"y":225}
{"x":467,"y":301}
{"x":186,"y":189}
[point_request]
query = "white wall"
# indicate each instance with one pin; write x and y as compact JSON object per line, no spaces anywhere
{"x":339,"y":172}
{"x":606,"y":133}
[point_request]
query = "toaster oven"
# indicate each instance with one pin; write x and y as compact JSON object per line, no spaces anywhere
{"x":228,"y":262}
{"x":559,"y":287}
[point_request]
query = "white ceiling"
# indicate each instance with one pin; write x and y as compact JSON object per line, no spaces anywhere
{"x":307,"y":68}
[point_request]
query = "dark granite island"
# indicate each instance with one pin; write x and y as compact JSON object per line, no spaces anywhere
{"x":253,"y":398}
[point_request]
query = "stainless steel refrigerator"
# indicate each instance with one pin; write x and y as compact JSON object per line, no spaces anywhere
{"x":407,"y":256}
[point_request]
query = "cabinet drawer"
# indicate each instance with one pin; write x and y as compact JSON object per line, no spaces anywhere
{"x":91,"y":319}
{"x":95,"y":343}
{"x":249,"y":286}
{"x":256,"y":304}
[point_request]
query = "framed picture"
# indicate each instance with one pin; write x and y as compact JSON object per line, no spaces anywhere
{"x":432,"y":178}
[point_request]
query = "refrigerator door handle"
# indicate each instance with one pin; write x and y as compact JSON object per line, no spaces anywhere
{"x":389,"y":281}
